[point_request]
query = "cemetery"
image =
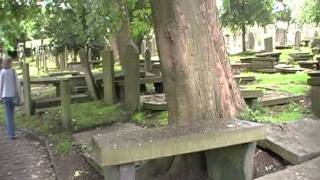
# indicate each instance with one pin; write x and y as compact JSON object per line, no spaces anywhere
{"x":161,"y":89}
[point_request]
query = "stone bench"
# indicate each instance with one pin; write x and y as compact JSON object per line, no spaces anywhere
{"x":229,"y":146}
{"x":42,"y":103}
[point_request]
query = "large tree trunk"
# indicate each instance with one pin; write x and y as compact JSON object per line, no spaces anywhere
{"x":123,"y":35}
{"x":244,"y":31}
{"x":198,"y":79}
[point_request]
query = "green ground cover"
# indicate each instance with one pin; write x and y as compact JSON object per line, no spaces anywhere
{"x":84,"y":116}
{"x":290,"y":83}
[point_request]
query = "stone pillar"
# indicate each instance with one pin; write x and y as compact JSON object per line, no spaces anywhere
{"x":123,"y":172}
{"x":108,"y":76}
{"x":235,"y":162}
{"x":65,"y":103}
{"x":132,"y":77}
{"x":314,"y":82}
{"x":147,"y":61}
{"x":28,"y":107}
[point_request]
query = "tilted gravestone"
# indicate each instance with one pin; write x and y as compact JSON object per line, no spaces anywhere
{"x":251,"y":41}
{"x":132,"y":77}
{"x":268,"y":44}
{"x":297,"y":43}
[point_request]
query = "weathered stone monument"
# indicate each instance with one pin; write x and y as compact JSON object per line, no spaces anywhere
{"x":314,"y":82}
{"x":28,"y":109}
{"x":147,"y":61}
{"x":297,"y":43}
{"x":108,"y":76}
{"x":132,"y":77}
{"x":65,"y":103}
{"x":281,"y":37}
{"x":268,"y":44}
{"x":251,"y":41}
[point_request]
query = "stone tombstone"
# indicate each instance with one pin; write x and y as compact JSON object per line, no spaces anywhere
{"x":281,"y":37}
{"x":108,"y":76}
{"x":147,"y":61}
{"x":268,"y":44}
{"x":132,"y":77}
{"x":65,"y":103}
{"x":251,"y":40}
{"x":143,"y":47}
{"x":297,"y":43}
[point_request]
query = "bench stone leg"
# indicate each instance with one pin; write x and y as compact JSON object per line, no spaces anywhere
{"x":252,"y":103}
{"x":122,"y":172}
{"x":235,"y":162}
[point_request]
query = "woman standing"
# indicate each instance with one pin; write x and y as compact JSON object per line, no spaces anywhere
{"x":8,"y":89}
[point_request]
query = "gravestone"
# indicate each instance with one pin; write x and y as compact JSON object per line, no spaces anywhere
{"x":65,"y":103}
{"x":281,"y":37}
{"x":143,"y":47}
{"x":268,"y":44}
{"x":251,"y":41}
{"x":147,"y":61}
{"x":297,"y":43}
{"x":132,"y":77}
{"x":28,"y":109}
{"x":108,"y":76}
{"x":314,"y":82}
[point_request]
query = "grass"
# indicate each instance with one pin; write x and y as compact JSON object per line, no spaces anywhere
{"x":276,"y":115}
{"x":85,"y":116}
{"x":291,"y":83}
{"x":150,"y":119}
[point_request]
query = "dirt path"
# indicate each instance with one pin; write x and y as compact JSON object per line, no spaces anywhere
{"x":22,"y":159}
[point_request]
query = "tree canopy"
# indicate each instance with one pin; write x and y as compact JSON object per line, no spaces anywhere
{"x":311,"y":12}
{"x":238,"y":13}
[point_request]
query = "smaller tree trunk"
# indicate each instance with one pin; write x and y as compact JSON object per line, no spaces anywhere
{"x":88,"y":74}
{"x":244,"y":31}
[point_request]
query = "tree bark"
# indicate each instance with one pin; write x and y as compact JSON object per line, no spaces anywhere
{"x":88,"y":74}
{"x":123,"y":35}
{"x":244,"y":31}
{"x":198,"y":78}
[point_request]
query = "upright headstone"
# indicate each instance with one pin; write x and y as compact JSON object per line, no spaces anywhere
{"x":65,"y":103}
{"x":143,"y":47}
{"x":281,"y":37}
{"x":268,"y":44}
{"x":132,"y":77}
{"x":251,"y":41}
{"x":108,"y":76}
{"x":147,"y":61}
{"x":297,"y":43}
{"x":28,"y":108}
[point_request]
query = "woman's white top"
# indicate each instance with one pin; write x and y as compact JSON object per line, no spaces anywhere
{"x":7,"y":83}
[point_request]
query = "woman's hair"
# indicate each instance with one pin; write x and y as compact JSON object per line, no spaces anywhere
{"x":6,"y":62}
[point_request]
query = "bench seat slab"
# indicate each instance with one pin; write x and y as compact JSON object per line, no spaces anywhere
{"x":116,"y":148}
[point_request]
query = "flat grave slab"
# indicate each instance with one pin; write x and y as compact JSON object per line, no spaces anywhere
{"x":244,"y":79}
{"x":157,"y":102}
{"x":295,"y":142}
{"x":117,"y":148}
{"x":64,"y":73}
{"x":280,"y":99}
{"x":306,"y":171}
{"x":308,"y":64}
{"x":41,"y":103}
